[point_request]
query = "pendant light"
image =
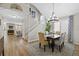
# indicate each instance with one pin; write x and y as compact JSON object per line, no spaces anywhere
{"x":53,"y":17}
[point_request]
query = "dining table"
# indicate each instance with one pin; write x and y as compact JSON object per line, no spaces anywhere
{"x":51,"y":38}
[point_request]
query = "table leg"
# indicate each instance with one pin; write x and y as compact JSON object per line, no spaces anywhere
{"x":52,"y":45}
{"x":49,"y":43}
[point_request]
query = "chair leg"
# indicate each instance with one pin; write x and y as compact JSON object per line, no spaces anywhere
{"x":3,"y":53}
{"x":49,"y":43}
{"x":63,"y":44}
{"x":44,"y":48}
{"x":59,"y":48}
{"x":52,"y":45}
{"x":39,"y":45}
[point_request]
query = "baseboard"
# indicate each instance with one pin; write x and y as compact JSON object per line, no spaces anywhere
{"x":76,"y":43}
{"x":32,"y":41}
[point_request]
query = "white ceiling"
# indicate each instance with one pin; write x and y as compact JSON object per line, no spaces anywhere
{"x":61,"y":9}
{"x":7,"y":13}
{"x":11,"y":16}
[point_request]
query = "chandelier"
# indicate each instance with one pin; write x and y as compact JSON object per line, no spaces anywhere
{"x":53,"y":16}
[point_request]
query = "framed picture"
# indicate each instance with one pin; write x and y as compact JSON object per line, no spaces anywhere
{"x":32,"y":12}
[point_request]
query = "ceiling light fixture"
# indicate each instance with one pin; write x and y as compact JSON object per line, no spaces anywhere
{"x":53,"y":17}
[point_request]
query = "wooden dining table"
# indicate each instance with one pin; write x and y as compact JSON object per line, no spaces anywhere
{"x":51,"y":40}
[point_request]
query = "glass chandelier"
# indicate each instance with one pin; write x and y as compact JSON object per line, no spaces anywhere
{"x":53,"y":16}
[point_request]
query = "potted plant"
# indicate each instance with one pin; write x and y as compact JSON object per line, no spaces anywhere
{"x":48,"y":27}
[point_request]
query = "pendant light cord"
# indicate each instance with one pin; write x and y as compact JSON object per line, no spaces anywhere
{"x":53,"y":9}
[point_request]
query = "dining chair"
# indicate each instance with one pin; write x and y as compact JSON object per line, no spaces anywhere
{"x":42,"y":40}
{"x":58,"y":32}
{"x":60,"y":43}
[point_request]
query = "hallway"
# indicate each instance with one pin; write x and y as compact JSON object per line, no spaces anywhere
{"x":14,"y":46}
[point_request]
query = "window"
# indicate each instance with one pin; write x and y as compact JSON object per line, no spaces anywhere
{"x":57,"y":26}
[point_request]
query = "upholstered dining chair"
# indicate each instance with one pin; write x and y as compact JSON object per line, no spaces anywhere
{"x":60,"y":42}
{"x":42,"y":40}
{"x":58,"y":32}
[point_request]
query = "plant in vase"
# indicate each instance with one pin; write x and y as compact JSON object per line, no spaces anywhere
{"x":48,"y":27}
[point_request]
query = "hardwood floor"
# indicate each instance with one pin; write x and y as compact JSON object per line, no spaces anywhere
{"x":2,"y":46}
{"x":14,"y":46}
{"x":76,"y":51}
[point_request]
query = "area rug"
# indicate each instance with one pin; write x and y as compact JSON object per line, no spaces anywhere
{"x":34,"y":50}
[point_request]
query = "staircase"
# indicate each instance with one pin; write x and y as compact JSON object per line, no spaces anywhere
{"x":32,"y":33}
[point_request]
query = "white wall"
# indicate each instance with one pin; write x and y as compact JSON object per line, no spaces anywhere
{"x":76,"y":29}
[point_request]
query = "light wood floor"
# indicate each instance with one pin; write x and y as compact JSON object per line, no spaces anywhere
{"x":76,"y":51}
{"x":14,"y":46}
